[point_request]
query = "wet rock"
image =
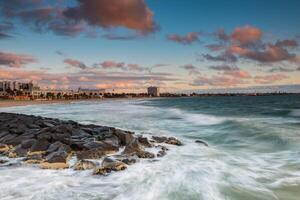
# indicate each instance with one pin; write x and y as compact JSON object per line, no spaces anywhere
{"x":27,"y":144}
{"x":159,"y":139}
{"x":3,"y":161}
{"x":84,"y":165}
{"x":58,"y":146}
{"x":128,"y":160}
{"x":57,"y":157}
{"x":161,"y":153}
{"x":201,"y":142}
{"x":19,"y":151}
{"x":4,"y":148}
{"x":40,"y":145}
{"x":35,"y":159}
{"x":9,"y":139}
{"x":56,"y":166}
{"x":173,"y":141}
{"x":93,"y":153}
{"x":108,"y":165}
{"x":145,"y":141}
{"x":125,"y":137}
{"x":135,"y":148}
{"x":51,"y":142}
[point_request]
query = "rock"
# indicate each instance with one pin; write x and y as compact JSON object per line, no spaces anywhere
{"x":84,"y":165}
{"x":145,"y":141}
{"x":9,"y":139}
{"x":58,"y":146}
{"x":60,"y":156}
{"x":27,"y":144}
{"x":161,"y":153}
{"x":4,"y":148}
{"x":47,"y":124}
{"x":201,"y":142}
{"x":40,"y":145}
{"x":128,"y":160}
{"x":124,"y":137}
{"x":51,"y":142}
{"x":35,"y":159}
{"x":3,"y":161}
{"x":135,"y":148}
{"x":110,"y":164}
{"x":145,"y":154}
{"x":46,"y":165}
{"x":159,"y":139}
{"x":19,"y":151}
{"x":93,"y":153}
{"x":173,"y":141}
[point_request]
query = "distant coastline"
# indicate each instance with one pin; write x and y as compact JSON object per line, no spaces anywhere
{"x":13,"y":103}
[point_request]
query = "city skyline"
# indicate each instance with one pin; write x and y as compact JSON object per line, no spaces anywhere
{"x":176,"y":45}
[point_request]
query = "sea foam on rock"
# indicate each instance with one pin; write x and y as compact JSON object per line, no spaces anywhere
{"x":51,"y":143}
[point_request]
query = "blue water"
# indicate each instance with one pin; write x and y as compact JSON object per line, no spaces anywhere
{"x":253,"y":152}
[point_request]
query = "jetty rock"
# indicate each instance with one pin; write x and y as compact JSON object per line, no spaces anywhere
{"x":52,"y":143}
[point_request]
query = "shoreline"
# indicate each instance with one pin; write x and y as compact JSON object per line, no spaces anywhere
{"x":17,"y":103}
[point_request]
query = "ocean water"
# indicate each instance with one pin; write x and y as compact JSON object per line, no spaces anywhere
{"x":253,"y":152}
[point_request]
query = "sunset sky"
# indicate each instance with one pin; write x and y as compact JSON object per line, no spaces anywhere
{"x":128,"y":45}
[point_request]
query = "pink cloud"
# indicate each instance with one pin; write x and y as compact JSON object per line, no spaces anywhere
{"x":246,"y":35}
{"x":267,"y":79}
{"x":133,"y":14}
{"x":75,"y":63}
{"x":15,"y":60}
{"x":189,"y":38}
{"x":109,"y":64}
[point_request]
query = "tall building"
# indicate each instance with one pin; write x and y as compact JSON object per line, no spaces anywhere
{"x":153,"y":91}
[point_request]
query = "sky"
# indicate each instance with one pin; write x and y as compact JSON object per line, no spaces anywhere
{"x":128,"y":45}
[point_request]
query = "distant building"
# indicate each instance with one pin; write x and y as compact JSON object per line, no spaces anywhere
{"x":153,"y":91}
{"x":91,"y":92}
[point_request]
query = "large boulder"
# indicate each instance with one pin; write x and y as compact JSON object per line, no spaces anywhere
{"x":125,"y":137}
{"x":144,"y":141}
{"x":173,"y":141}
{"x":84,"y":165}
{"x":135,"y":148}
{"x":40,"y":145}
{"x":159,"y":139}
{"x":109,"y":164}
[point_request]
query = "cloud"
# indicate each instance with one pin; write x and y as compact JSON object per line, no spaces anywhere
{"x":287,"y":43}
{"x":272,"y":53}
{"x":223,"y":68}
{"x":135,"y":67}
{"x":189,"y":38}
{"x":75,"y":63}
{"x":5,"y":28}
{"x":83,"y":18}
{"x":282,"y":69}
{"x":88,"y":79}
{"x":246,"y":43}
{"x":226,"y":56}
{"x":191,"y":69}
{"x":133,"y":14}
{"x":215,"y":47}
{"x":241,"y":74}
{"x":15,"y":60}
{"x":246,"y":35}
{"x":109,"y":64}
{"x":221,"y":35}
{"x":223,"y":81}
{"x":268,"y":79}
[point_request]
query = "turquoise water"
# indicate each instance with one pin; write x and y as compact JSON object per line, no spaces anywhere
{"x":253,"y":152}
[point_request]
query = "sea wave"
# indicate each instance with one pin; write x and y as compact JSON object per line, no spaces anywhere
{"x":197,"y":118}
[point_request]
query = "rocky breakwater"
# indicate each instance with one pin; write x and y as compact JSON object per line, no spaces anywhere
{"x":52,"y":143}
